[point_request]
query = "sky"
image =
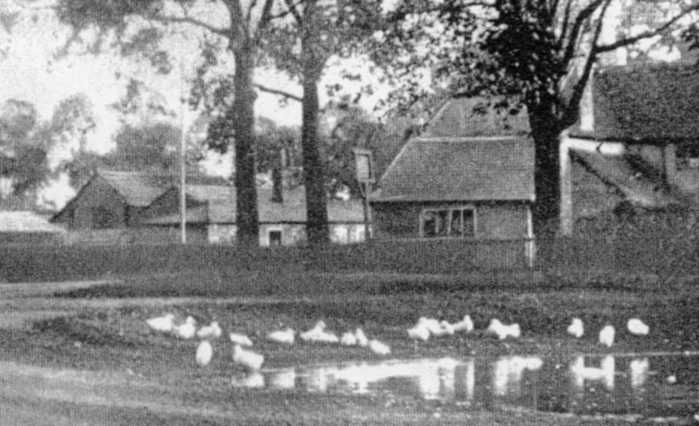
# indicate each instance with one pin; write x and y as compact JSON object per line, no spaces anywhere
{"x":30,"y":73}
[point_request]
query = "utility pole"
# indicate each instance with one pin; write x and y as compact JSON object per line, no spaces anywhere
{"x":183,"y":165}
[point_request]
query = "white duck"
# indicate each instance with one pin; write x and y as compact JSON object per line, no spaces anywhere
{"x":248,"y":359}
{"x":503,"y":331}
{"x":466,"y":324}
{"x":606,"y":336}
{"x":204,"y":353}
{"x":361,"y":338}
{"x":163,"y":324}
{"x":348,"y":339}
{"x":431,"y":324}
{"x":187,"y":329}
{"x":637,"y":327}
{"x":240,"y":339}
{"x":379,"y":348}
{"x":419,"y":332}
{"x":211,"y":331}
{"x":285,"y":337}
{"x":576,"y":328}
{"x":318,"y":334}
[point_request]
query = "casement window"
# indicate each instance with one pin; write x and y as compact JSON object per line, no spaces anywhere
{"x":454,"y":222}
{"x":687,"y":156}
{"x":275,"y":237}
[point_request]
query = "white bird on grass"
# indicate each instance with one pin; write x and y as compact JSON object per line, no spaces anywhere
{"x":318,"y":334}
{"x":163,"y":324}
{"x":204,"y":353}
{"x":348,"y":339}
{"x":211,"y":331}
{"x":445,"y":329}
{"x":187,"y":329}
{"x":285,"y":337}
{"x":419,"y":332}
{"x":379,"y":348}
{"x":503,"y":331}
{"x":466,"y":324}
{"x":637,"y":327}
{"x":252,"y":361}
{"x":606,"y":336}
{"x":576,"y":328}
{"x":361,"y":338}
{"x":240,"y":339}
{"x":431,"y":324}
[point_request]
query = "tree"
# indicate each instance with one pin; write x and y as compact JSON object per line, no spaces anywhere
{"x":24,"y":145}
{"x":245,"y":21}
{"x":315,"y":31}
{"x":542,"y":52}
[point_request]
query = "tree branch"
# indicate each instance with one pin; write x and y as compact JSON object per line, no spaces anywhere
{"x":278,"y":92}
{"x":266,"y":15}
{"x":284,"y":13}
{"x":579,"y":87}
{"x":293,"y":10}
{"x":191,"y":21}
{"x":577,"y":27}
{"x":646,"y":34}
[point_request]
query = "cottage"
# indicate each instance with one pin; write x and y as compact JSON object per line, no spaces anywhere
{"x":211,"y":216}
{"x":470,"y":175}
{"x":637,"y":144}
{"x":111,"y":202}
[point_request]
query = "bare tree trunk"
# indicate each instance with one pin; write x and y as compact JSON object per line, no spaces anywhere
{"x":314,"y":173}
{"x":546,"y":129}
{"x":244,"y":128}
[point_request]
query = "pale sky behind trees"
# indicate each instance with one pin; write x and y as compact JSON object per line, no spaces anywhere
{"x":29,"y":72}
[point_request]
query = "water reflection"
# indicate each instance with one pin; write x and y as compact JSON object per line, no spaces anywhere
{"x":584,"y":384}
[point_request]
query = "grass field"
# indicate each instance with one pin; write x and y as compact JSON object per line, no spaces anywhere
{"x":113,"y":337}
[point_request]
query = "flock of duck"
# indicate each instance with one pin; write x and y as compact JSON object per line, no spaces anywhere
{"x":424,"y":329}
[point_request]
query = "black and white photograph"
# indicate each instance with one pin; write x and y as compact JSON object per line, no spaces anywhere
{"x":349,"y":212}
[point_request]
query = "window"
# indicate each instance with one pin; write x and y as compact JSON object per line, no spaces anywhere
{"x":687,"y":156}
{"x":275,"y":238}
{"x":458,"y":222}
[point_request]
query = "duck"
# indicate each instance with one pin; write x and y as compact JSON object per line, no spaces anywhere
{"x":252,"y":361}
{"x":318,"y":334}
{"x":466,"y":324}
{"x":285,"y":337}
{"x":576,"y":328}
{"x":187,"y":329}
{"x":361,"y":338}
{"x":419,"y":332}
{"x":240,"y":339}
{"x":348,"y":339}
{"x":163,"y":324}
{"x":637,"y":327}
{"x":204,"y":353}
{"x":606,"y":336}
{"x":211,"y":331}
{"x":503,"y":331}
{"x":431,"y":324}
{"x":378,"y":347}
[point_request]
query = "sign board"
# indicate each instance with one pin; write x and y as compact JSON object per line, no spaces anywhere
{"x":364,"y":165}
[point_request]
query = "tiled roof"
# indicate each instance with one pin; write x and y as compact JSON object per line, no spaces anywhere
{"x":645,"y":103}
{"x":460,"y":169}
{"x":140,"y":189}
{"x":477,"y":116}
{"x":641,"y":189}
{"x":222,"y":209}
{"x":26,"y":221}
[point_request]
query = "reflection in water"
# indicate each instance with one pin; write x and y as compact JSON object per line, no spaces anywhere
{"x":585,"y":384}
{"x":604,"y":374}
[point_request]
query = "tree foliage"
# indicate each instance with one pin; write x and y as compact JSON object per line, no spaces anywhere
{"x":540,"y":54}
{"x":137,"y":26}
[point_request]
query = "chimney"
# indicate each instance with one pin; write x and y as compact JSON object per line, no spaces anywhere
{"x":278,"y":178}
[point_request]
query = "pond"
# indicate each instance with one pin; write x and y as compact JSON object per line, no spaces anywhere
{"x":647,"y":384}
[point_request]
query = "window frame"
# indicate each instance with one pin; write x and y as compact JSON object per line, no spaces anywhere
{"x":449,"y":214}
{"x":269,"y":237}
